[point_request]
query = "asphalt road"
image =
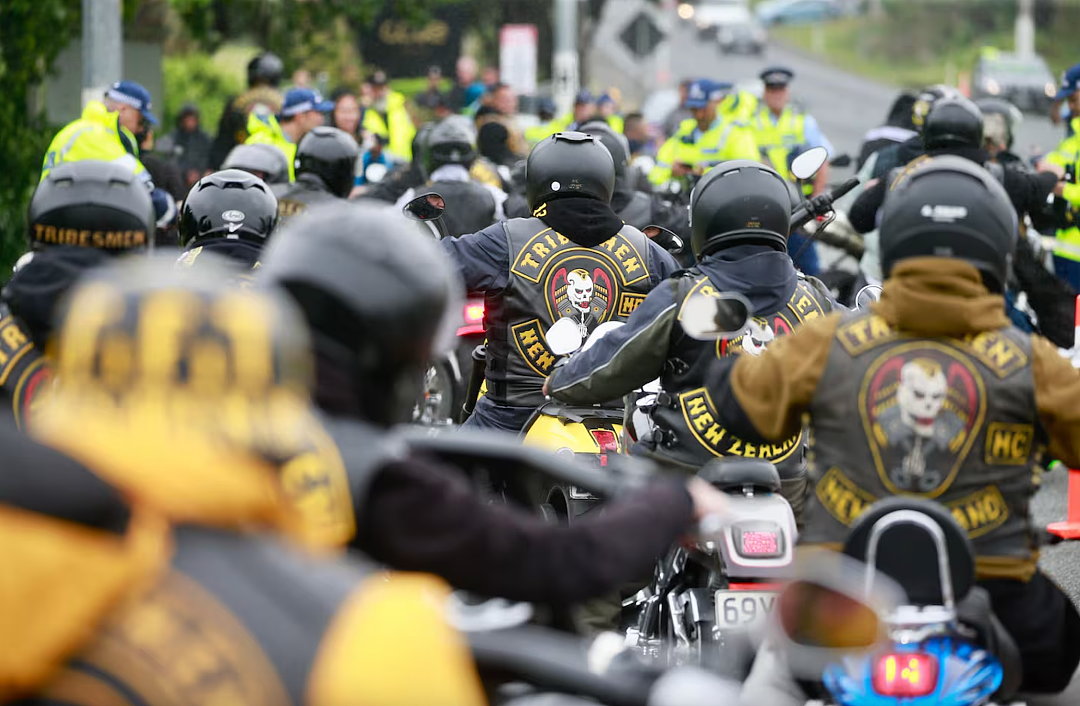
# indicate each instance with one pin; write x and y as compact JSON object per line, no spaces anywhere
{"x":846,"y":106}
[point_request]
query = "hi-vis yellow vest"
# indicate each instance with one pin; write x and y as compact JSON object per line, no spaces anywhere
{"x":776,"y":140}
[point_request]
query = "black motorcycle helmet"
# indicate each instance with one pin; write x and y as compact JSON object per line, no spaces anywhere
{"x":91,"y":204}
{"x":953,"y":122}
{"x":950,"y":207}
{"x":615,"y":143}
{"x":451,"y":141}
{"x":266,"y":69}
{"x":1001,"y":120}
{"x":737,"y":203}
{"x":228,"y":205}
{"x":926,"y":100}
{"x":330,"y":154}
{"x":264,"y":161}
{"x":380,"y":299}
{"x":569,"y":164}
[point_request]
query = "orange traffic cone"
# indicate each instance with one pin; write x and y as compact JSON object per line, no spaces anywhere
{"x":1070,"y":528}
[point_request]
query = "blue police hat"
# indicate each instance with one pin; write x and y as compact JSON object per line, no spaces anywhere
{"x":719,"y":89}
{"x":1070,"y":83}
{"x":133,"y":94}
{"x":698,"y":93}
{"x":777,"y":76}
{"x":302,"y":100}
{"x":583,"y":96}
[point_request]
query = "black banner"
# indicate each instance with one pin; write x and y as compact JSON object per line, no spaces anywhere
{"x":405,"y":49}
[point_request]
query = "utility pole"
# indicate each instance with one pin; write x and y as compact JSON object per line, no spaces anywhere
{"x":102,"y":47}
{"x":565,"y":60}
{"x":1025,"y":28}
{"x":877,"y":9}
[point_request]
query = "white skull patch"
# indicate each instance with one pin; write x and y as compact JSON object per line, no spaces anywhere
{"x":579,"y":290}
{"x":921,"y":394}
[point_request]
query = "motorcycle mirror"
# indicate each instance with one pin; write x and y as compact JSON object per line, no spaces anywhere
{"x":601,"y":331}
{"x":664,"y":238}
{"x":841,"y":160}
{"x":827,"y":612}
{"x":809,"y":162}
{"x":428,"y":207}
{"x":867,"y":296}
{"x":564,"y":337}
{"x":818,"y":616}
{"x":709,"y":318}
{"x":375,"y":173}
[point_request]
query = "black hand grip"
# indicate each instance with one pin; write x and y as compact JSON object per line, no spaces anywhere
{"x":843,"y":188}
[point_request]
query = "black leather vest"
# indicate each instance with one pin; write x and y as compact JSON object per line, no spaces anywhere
{"x":295,"y":198}
{"x":638,"y":211}
{"x":236,"y":620}
{"x":952,"y":420}
{"x":24,"y":373}
{"x":551,"y":277}
{"x":686,"y":431}
{"x":469,"y":206}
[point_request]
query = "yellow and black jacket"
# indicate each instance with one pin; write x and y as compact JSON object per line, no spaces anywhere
{"x":133,"y":612}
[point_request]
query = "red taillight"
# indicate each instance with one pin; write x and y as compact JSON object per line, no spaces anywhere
{"x":474,"y":312}
{"x":759,"y":543}
{"x":905,"y":675}
{"x":606,"y":440}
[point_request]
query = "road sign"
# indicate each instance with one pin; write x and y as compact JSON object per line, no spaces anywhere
{"x":641,"y":35}
{"x":517,"y":57}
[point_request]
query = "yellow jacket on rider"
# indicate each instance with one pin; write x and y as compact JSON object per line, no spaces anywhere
{"x":97,"y":134}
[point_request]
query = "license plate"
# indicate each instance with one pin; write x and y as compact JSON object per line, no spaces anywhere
{"x":739,"y":608}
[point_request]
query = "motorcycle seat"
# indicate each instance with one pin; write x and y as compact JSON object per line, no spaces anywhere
{"x":731,"y":473}
{"x":907,"y":554}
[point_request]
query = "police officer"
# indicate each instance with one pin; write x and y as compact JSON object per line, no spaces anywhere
{"x":302,"y":110}
{"x":262,"y":98}
{"x":450,"y":154}
{"x":932,"y":393}
{"x":325,"y":169}
{"x":389,"y":118}
{"x":80,"y":214}
{"x":574,"y":258}
{"x":637,"y":208}
{"x":382,"y":301}
{"x":106,"y":131}
{"x":1067,"y":251}
{"x":779,"y":127}
{"x":706,"y":140}
{"x":739,"y":214}
{"x":230,"y":213}
{"x":547,"y":126}
{"x":204,"y":383}
{"x":264,"y":161}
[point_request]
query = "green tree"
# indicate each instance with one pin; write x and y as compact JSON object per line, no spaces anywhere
{"x":32,"y":33}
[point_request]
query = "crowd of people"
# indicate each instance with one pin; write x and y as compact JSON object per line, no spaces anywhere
{"x":213,"y":347}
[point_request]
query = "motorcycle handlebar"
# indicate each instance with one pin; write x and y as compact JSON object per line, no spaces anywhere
{"x":820,"y":205}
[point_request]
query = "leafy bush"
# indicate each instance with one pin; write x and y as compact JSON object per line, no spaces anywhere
{"x":32,"y":33}
{"x":207,"y":81}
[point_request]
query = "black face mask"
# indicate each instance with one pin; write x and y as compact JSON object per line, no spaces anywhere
{"x":583,"y":220}
{"x":636,"y":146}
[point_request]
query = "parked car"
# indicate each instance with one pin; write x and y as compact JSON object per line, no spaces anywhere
{"x":774,"y":12}
{"x":1026,"y":82}
{"x":711,"y":14}
{"x":749,"y":37}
